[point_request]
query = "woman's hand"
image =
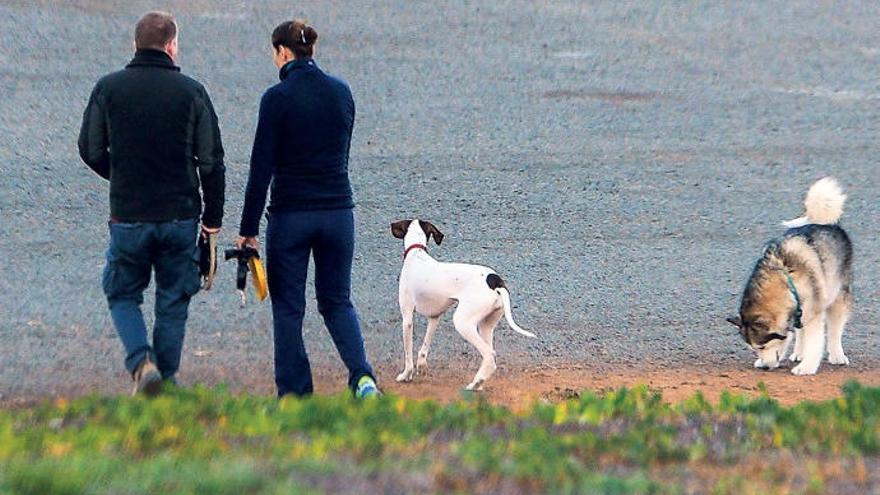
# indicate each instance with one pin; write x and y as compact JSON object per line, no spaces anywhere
{"x":247,"y":241}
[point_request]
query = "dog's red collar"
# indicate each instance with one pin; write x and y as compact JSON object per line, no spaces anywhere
{"x":414,"y":246}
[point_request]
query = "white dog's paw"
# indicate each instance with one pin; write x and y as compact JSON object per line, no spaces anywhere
{"x":422,"y":366}
{"x":475,"y":385}
{"x":406,"y":376}
{"x":802,"y":369}
{"x":794,"y":358}
{"x":759,"y":363}
{"x":835,"y":358}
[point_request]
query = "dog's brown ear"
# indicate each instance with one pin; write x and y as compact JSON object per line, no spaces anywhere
{"x":399,"y":228}
{"x":736,"y":321}
{"x":431,"y":230}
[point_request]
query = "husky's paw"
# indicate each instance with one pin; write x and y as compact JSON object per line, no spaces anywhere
{"x":802,"y":369}
{"x":422,"y":366}
{"x":759,"y":363}
{"x":835,"y":358}
{"x":794,"y":358}
{"x":406,"y":376}
{"x":475,"y":385}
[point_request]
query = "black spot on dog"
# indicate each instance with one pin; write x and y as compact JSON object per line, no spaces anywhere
{"x":494,"y":281}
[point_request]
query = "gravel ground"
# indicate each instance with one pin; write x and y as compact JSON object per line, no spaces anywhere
{"x":620,"y":164}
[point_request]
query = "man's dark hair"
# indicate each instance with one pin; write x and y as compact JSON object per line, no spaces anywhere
{"x":154,"y":31}
{"x":296,"y":35}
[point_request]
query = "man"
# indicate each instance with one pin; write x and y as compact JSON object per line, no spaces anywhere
{"x":152,"y":132}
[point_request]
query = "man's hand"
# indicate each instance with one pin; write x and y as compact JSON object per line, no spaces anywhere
{"x":247,"y":241}
{"x":208,"y":255}
{"x":210,"y":230}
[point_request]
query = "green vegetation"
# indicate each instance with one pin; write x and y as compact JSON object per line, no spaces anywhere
{"x":628,"y":441}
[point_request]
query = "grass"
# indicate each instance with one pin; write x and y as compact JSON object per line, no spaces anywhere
{"x":203,"y":440}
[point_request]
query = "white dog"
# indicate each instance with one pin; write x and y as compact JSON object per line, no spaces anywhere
{"x":430,"y":287}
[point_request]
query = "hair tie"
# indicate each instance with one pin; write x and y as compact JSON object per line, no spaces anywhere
{"x":302,"y":32}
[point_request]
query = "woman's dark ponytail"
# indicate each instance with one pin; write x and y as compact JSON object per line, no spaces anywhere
{"x":296,"y":35}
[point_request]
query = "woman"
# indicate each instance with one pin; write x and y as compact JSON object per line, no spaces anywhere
{"x":301,"y":148}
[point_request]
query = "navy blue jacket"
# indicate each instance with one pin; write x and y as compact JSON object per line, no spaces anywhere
{"x":301,"y":146}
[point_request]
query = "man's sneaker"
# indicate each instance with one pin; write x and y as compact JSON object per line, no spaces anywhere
{"x":366,"y":388}
{"x":147,"y":379}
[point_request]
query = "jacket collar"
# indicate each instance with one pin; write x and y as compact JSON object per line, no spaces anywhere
{"x":303,"y":63}
{"x":146,"y":57}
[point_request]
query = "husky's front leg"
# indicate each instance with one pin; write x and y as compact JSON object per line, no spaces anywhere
{"x":786,"y":345}
{"x":798,"y":346}
{"x":813,"y":337}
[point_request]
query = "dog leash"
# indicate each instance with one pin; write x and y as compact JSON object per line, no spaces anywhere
{"x":414,"y":246}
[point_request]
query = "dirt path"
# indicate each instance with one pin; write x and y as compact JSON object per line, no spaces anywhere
{"x":519,"y":389}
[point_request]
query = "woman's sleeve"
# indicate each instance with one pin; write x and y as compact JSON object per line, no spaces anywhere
{"x":262,"y":165}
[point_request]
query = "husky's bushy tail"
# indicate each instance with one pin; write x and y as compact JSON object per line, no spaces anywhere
{"x":823,"y":204}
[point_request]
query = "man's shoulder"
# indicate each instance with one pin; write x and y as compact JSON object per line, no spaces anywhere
{"x":192,"y":82}
{"x":111,"y":78}
{"x":128,"y":74}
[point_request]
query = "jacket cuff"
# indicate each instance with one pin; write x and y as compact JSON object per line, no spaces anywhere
{"x":212,"y":223}
{"x":248,"y":230}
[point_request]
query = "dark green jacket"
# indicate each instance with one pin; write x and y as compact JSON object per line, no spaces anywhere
{"x":152,"y":132}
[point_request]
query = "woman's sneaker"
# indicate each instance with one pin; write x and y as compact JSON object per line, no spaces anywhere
{"x":367,"y":388}
{"x":147,"y":379}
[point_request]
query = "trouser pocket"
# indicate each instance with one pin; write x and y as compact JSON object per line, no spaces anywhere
{"x":127,"y":270}
{"x":108,"y":280}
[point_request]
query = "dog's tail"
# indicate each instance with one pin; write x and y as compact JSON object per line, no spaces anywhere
{"x":505,"y":298}
{"x":497,"y":284}
{"x":823,"y":204}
